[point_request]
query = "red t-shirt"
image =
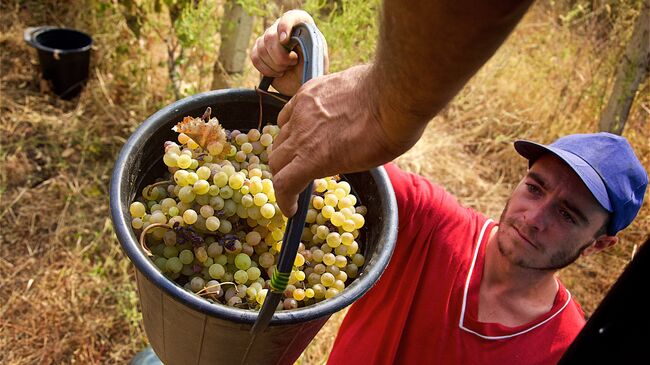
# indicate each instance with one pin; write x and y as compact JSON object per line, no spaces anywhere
{"x":424,"y":309}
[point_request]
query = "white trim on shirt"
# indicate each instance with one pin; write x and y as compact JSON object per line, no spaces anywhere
{"x":469,"y":276}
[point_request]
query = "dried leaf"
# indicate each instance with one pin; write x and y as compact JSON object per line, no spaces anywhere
{"x":204,"y":131}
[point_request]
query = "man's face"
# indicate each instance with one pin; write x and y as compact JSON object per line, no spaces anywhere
{"x":550,"y":219}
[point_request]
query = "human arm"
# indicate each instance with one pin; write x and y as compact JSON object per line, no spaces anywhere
{"x":367,"y":115}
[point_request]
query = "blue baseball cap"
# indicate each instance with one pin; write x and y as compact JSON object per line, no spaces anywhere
{"x":606,"y":164}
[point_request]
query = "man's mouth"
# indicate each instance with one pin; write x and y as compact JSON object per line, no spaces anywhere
{"x":523,"y":237}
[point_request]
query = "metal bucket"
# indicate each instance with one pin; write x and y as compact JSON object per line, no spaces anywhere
{"x":185,"y":329}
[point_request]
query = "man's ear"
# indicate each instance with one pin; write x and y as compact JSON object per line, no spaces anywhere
{"x":600,"y":244}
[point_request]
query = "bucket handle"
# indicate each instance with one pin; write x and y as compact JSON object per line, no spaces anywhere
{"x":29,"y":35}
{"x":312,"y":43}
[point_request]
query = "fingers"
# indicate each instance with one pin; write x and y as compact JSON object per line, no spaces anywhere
{"x":286,"y":112}
{"x":289,"y":20}
{"x":289,"y":182}
{"x":280,"y":156}
{"x":261,"y":60}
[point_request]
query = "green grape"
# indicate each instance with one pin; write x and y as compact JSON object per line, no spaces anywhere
{"x":266,"y":139}
{"x":169,"y":238}
{"x":260,"y":199}
{"x":201,"y":253}
{"x":137,"y":210}
{"x":161,"y":263}
{"x":348,"y":225}
{"x":186,"y":194}
{"x":201,"y":187}
{"x":170,"y":159}
{"x":267,"y":211}
{"x":358,"y":220}
{"x":320,"y":185}
{"x":221,"y":260}
{"x":253,"y":273}
{"x":137,"y":223}
{"x":217,"y":202}
{"x":327,"y":279}
{"x":328,"y":211}
{"x":203,"y":172}
{"x":189,"y":216}
{"x":358,"y":260}
{"x":215,"y":148}
{"x":331,"y":293}
{"x":212,"y":223}
{"x":174,"y":265}
{"x":197,"y":284}
{"x":329,"y":259}
{"x":247,"y":148}
{"x":184,"y":161}
{"x":215,"y":249}
{"x":241,"y":277}
{"x":253,"y":135}
{"x":192,"y":178}
{"x":309,"y":293}
{"x":186,"y":257}
{"x":206,"y":211}
{"x":331,"y":200}
{"x":241,"y":138}
{"x":236,"y":181}
{"x":299,"y":294}
{"x":253,"y":238}
{"x":299,"y":261}
{"x":337,"y":219}
{"x":220,"y":179}
{"x":225,"y":226}
{"x":226,"y":192}
{"x":266,"y":260}
{"x":333,"y":239}
{"x":242,"y":261}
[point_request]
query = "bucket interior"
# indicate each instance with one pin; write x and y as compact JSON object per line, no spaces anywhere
{"x":63,"y":39}
{"x":140,"y":164}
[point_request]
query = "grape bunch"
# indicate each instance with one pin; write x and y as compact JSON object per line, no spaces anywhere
{"x":214,"y":226}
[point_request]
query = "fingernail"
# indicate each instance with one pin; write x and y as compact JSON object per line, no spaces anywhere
{"x":283,"y":36}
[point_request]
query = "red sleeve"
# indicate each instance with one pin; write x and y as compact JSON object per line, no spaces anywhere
{"x":372,"y":329}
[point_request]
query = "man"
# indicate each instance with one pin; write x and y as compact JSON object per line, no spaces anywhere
{"x":462,"y":289}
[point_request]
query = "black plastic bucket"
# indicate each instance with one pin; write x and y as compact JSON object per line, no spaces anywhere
{"x":64,"y":57}
{"x":185,"y":329}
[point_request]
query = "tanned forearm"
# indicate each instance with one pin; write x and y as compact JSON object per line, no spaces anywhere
{"x":427,"y":51}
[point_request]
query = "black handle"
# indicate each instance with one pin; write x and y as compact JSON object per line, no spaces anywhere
{"x":312,"y":43}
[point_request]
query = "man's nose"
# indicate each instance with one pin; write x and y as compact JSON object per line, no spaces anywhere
{"x":537,"y":216}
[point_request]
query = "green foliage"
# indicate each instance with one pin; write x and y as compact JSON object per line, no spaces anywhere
{"x":196,"y":26}
{"x":350,"y":28}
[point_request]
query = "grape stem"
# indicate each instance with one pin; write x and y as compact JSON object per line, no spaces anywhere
{"x":159,"y":183}
{"x":143,"y":242}
{"x":260,"y":92}
{"x":204,"y":290}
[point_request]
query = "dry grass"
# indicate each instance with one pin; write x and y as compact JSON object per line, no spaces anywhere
{"x":67,"y":293}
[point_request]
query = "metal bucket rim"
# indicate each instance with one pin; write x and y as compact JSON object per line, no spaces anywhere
{"x":132,"y":248}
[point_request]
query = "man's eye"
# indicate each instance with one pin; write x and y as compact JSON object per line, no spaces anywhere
{"x":532,"y":188}
{"x":566,"y":216}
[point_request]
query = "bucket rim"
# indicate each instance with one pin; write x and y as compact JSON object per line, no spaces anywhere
{"x":127,"y":239}
{"x":41,"y":30}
